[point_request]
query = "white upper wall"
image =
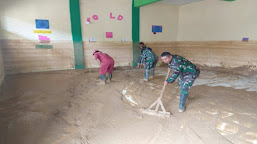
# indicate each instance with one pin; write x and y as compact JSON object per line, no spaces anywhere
{"x":207,"y":20}
{"x":159,"y":14}
{"x":97,"y":29}
{"x":17,"y":19}
{"x":217,"y":20}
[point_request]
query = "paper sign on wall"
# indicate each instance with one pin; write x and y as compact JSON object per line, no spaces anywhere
{"x":156,"y":28}
{"x":245,"y":39}
{"x":124,"y":39}
{"x":43,"y":31}
{"x":43,"y":38}
{"x":92,"y":39}
{"x":109,"y":35}
{"x":42,"y":24}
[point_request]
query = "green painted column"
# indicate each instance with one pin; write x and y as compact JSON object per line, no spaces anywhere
{"x":135,"y":32}
{"x":139,"y":3}
{"x":76,"y":34}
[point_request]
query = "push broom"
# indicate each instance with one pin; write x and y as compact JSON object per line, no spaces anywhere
{"x":158,"y":103}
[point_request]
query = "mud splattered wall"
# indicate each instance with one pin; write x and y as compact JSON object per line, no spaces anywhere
{"x":26,"y":50}
{"x":113,"y":17}
{"x":207,"y":32}
{"x":2,"y":69}
{"x":210,"y":33}
{"x":216,"y":29}
{"x":227,"y":54}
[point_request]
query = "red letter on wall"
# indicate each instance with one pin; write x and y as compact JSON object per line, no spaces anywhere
{"x":120,"y":17}
{"x":95,"y":17}
{"x":111,"y":16}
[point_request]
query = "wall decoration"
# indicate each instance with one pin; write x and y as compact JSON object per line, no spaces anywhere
{"x":40,"y":46}
{"x":109,"y":35}
{"x":124,"y":39}
{"x":120,"y":17}
{"x":92,"y":39}
{"x":95,"y":17}
{"x":43,"y":38}
{"x":43,"y":31}
{"x":156,"y":28}
{"x":88,"y":21}
{"x":245,"y":39}
{"x":111,"y":16}
{"x":42,"y":24}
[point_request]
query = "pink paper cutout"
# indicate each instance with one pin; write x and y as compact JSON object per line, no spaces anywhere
{"x":95,"y":17}
{"x":43,"y":38}
{"x":88,"y":19}
{"x":109,"y":35}
{"x":120,"y":17}
{"x":111,"y":16}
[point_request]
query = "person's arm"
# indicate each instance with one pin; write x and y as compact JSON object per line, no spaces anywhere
{"x":174,"y":75}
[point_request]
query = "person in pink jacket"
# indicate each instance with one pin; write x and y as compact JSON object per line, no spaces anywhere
{"x":106,"y":63}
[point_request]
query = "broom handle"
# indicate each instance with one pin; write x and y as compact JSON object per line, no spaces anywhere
{"x":163,"y":88}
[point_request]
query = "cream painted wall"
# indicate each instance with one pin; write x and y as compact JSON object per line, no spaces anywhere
{"x":17,"y":18}
{"x":159,"y":14}
{"x":2,"y":69}
{"x":216,"y":20}
{"x":102,"y":8}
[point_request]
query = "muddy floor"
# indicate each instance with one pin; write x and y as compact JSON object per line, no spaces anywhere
{"x":69,"y":107}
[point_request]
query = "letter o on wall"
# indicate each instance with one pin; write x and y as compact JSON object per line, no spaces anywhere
{"x":120,"y":17}
{"x":95,"y":17}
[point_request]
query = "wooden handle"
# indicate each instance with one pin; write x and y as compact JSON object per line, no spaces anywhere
{"x":163,"y":88}
{"x":167,"y":74}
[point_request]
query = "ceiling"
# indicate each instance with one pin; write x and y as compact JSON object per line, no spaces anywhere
{"x":178,"y":2}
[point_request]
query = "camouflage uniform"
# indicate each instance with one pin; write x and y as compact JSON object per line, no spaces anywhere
{"x":140,"y":58}
{"x":187,"y":73}
{"x":150,"y":59}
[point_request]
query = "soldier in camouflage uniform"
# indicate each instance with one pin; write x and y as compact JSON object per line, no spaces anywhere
{"x":186,"y":71}
{"x":142,"y":47}
{"x":149,"y":59}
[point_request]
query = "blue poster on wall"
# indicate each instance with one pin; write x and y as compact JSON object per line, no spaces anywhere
{"x":156,"y":28}
{"x":42,"y":24}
